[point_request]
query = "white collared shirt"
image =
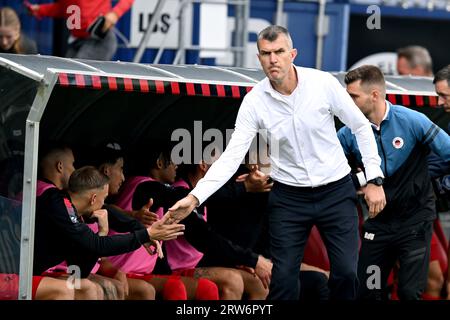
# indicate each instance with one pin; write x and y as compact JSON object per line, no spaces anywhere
{"x":309,"y":153}
{"x":384,"y":118}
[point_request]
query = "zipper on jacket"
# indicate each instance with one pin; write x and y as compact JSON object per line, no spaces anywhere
{"x":382,"y":150}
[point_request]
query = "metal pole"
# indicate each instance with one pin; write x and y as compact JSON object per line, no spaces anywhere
{"x":238,"y":31}
{"x":29,"y":185}
{"x":241,"y":32}
{"x":162,"y":46}
{"x":245,"y":32}
{"x":279,"y":15}
{"x":180,"y":57}
{"x":320,"y":34}
{"x":28,"y":206}
{"x":196,"y":47}
{"x":231,"y":2}
{"x":148,"y":32}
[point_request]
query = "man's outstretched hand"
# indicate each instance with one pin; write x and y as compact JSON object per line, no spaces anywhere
{"x":144,"y":215}
{"x":180,"y":210}
{"x":162,"y":231}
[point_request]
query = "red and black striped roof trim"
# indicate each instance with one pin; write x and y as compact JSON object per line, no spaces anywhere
{"x":413,"y":100}
{"x":155,"y":86}
{"x":199,"y":89}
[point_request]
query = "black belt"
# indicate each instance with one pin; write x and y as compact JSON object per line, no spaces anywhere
{"x":313,"y":189}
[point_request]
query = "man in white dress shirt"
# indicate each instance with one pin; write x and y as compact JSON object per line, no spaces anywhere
{"x":312,"y":184}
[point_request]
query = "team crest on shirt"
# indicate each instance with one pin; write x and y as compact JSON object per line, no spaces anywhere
{"x":397,"y":142}
{"x":71,"y":211}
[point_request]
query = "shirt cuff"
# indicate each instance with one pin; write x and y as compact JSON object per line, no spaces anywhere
{"x":361,"y":179}
{"x":373,"y":172}
{"x":196,"y":194}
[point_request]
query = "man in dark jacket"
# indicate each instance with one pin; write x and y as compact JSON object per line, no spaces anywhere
{"x":402,"y":230}
{"x":61,"y":233}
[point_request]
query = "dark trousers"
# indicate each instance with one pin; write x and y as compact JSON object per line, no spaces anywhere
{"x":292,"y":213}
{"x":314,"y":286}
{"x":382,"y":246}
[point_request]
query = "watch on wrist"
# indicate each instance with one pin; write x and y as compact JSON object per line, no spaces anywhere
{"x":378,"y":181}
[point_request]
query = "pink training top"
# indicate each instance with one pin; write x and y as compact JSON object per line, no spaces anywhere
{"x":139,"y":261}
{"x":125,"y":198}
{"x":180,"y":254}
{"x":41,"y":187}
